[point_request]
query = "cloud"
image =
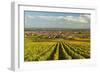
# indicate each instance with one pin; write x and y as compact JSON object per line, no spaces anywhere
{"x":76,"y":19}
{"x":80,"y":19}
{"x":59,"y":21}
{"x":30,"y":17}
{"x":85,"y":15}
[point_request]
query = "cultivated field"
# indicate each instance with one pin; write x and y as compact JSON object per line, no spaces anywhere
{"x":43,"y":45}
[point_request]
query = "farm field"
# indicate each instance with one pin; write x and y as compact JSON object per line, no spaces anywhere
{"x":48,"y":45}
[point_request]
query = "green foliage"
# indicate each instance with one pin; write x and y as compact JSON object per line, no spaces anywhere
{"x":65,"y":54}
{"x":56,"y":55}
{"x":73,"y":54}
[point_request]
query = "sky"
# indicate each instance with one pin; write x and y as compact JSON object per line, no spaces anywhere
{"x":39,"y":19}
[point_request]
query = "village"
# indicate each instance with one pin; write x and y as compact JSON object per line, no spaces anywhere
{"x":70,"y":35}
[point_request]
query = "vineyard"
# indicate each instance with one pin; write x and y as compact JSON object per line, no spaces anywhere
{"x":56,"y":45}
{"x":41,"y":51}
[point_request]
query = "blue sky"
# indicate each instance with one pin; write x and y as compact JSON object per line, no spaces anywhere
{"x":37,"y":19}
{"x":41,"y":13}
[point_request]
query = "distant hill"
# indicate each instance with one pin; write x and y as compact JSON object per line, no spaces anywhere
{"x":54,"y":29}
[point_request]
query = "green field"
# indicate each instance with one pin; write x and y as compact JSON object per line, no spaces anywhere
{"x":56,"y":45}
